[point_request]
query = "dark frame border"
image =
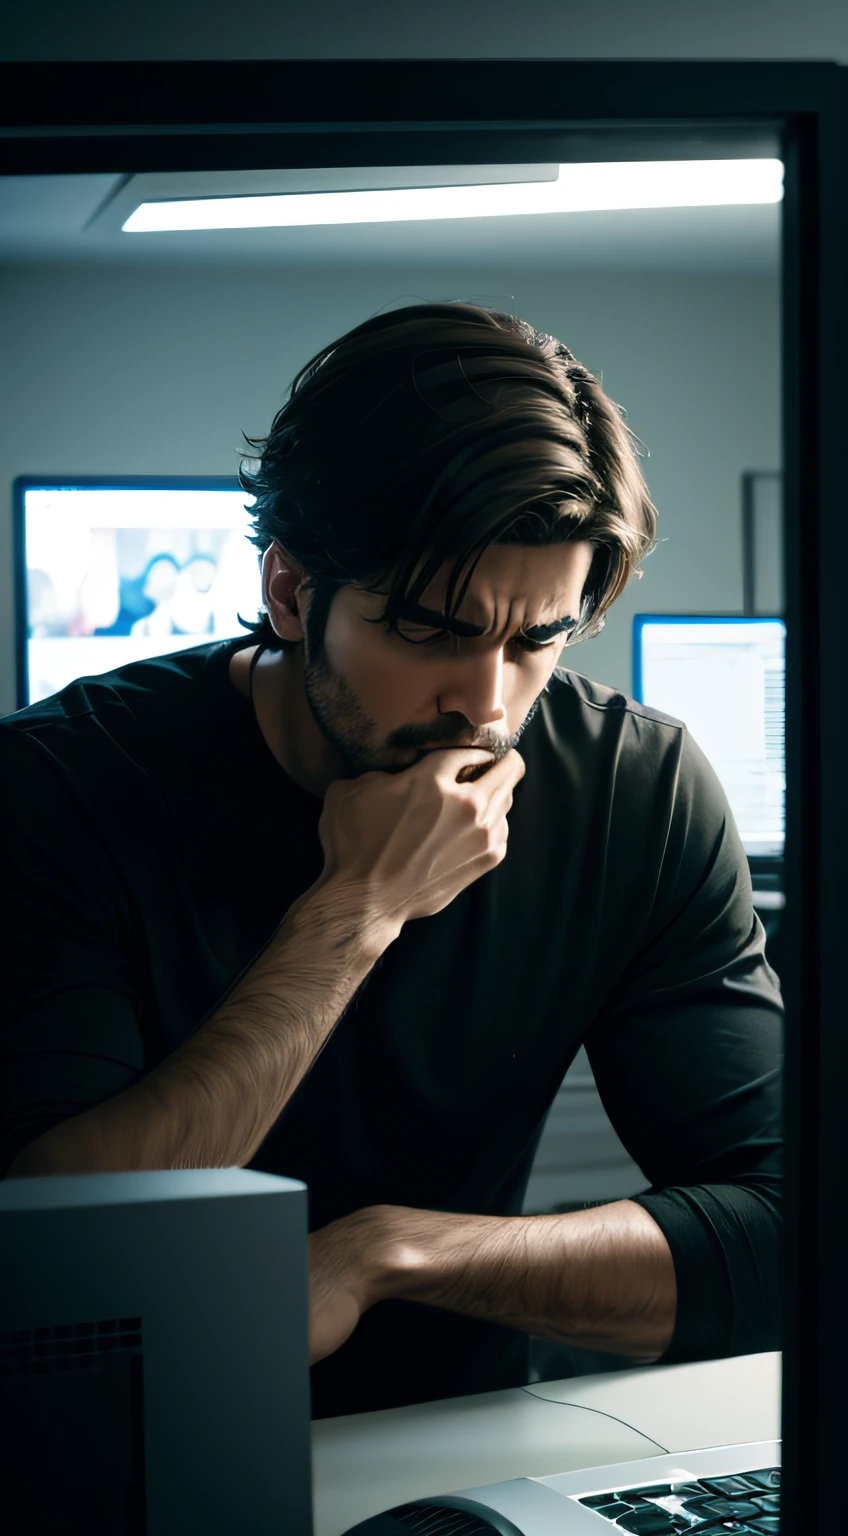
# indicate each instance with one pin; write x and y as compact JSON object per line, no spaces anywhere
{"x":119,"y":117}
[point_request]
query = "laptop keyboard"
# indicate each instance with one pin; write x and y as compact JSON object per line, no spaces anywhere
{"x":748,"y":1502}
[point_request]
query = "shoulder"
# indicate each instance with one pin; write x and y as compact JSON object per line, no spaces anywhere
{"x":630,"y":748}
{"x":591,"y":712}
{"x":139,"y":694}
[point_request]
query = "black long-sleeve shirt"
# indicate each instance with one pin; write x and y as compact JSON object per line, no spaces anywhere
{"x":152,"y":845}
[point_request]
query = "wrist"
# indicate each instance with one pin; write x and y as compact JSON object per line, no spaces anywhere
{"x":341,"y":909}
{"x":379,"y":1253}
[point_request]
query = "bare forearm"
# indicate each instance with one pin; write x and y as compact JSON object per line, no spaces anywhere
{"x":212,"y":1103}
{"x":601,"y":1279}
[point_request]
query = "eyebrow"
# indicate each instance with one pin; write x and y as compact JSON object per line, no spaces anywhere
{"x":416,"y":614}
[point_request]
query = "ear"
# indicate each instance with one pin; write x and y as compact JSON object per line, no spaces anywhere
{"x":282,"y":576}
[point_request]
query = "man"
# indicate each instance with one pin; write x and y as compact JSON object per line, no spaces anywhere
{"x":270,"y":911}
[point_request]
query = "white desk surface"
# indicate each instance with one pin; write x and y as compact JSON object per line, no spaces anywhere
{"x":366,"y":1462}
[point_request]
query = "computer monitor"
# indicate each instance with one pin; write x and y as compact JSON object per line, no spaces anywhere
{"x":154,"y":1356}
{"x":114,"y":570}
{"x":725,"y":678}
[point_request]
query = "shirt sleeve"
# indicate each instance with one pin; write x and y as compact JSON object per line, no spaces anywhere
{"x":70,"y":1032}
{"x":687,"y":1056}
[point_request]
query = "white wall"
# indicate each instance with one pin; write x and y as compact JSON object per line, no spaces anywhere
{"x":134,"y":371}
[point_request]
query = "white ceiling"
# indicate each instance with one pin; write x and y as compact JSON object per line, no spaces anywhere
{"x":78,"y":219}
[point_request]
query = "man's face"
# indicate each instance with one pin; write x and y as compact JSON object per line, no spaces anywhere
{"x":375,"y":701}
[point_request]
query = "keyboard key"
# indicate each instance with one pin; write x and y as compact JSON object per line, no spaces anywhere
{"x":767,"y":1478}
{"x":768,"y":1503}
{"x":728,"y":1487}
{"x":718,"y":1527}
{"x":648,"y":1523}
{"x":730,"y":1509}
{"x":713,"y":1527}
{"x":765,"y":1525}
{"x":598,"y":1500}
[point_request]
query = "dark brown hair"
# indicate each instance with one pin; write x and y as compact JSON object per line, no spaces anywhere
{"x":437,"y":430}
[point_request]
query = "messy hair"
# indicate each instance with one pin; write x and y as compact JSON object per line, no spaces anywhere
{"x":428,"y":434}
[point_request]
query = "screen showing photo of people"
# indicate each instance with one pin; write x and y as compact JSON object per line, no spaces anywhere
{"x":118,"y":574}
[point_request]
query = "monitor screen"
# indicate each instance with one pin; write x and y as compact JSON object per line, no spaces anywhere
{"x":725,"y":679}
{"x":115,"y":571}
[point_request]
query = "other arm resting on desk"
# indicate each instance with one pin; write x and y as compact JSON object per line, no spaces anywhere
{"x":600,"y":1279}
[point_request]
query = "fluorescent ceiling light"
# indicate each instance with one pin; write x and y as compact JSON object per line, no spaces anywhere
{"x":595,"y":187}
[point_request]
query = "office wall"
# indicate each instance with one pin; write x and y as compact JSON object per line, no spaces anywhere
{"x":134,"y":371}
